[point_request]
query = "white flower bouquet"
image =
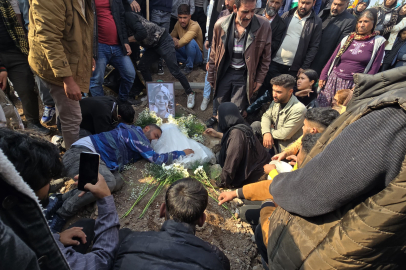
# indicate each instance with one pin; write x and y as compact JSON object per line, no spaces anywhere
{"x":147,"y":117}
{"x":160,"y":177}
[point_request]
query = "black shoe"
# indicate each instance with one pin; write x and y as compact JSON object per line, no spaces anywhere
{"x":37,"y":127}
{"x":187,"y":70}
{"x":134,"y":102}
{"x":160,"y":70}
{"x":211,"y":122}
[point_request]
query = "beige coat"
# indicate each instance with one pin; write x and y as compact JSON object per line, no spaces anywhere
{"x":61,"y":41}
{"x":285,"y":125}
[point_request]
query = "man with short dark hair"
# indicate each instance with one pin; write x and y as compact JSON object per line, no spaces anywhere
{"x":278,"y":26}
{"x":175,"y":246}
{"x":239,"y":56}
{"x":316,"y":121}
{"x":300,"y":43}
{"x":123,"y":145}
{"x":281,"y":123}
{"x":28,"y":165}
{"x":337,"y":23}
{"x":188,"y":39}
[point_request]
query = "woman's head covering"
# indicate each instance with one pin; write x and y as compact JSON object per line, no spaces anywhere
{"x":229,"y":119}
{"x":229,"y":116}
{"x":364,"y":1}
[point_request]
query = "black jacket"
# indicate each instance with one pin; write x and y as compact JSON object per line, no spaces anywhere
{"x":145,"y":32}
{"x":26,"y":242}
{"x":339,"y":27}
{"x":309,"y":40}
{"x":117,"y":10}
{"x":174,"y":247}
{"x":278,"y":30}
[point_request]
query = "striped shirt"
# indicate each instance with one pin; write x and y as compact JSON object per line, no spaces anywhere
{"x":237,"y":57}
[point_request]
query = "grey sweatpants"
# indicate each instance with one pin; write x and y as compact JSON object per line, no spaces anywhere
{"x":72,"y":203}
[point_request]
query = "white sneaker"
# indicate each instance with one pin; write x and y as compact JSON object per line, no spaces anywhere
{"x":205,"y":102}
{"x":191,"y":100}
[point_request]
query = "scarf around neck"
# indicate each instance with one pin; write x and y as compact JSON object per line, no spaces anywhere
{"x":352,"y":36}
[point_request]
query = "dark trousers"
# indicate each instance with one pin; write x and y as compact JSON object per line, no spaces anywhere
{"x":88,"y":228}
{"x":275,"y":69}
{"x":165,"y":49}
{"x":250,"y":212}
{"x":259,"y":240}
{"x":172,"y":23}
{"x":21,"y":76}
{"x":200,"y":18}
{"x":231,"y":88}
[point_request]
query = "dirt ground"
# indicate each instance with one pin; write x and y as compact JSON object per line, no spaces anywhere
{"x":233,"y":237}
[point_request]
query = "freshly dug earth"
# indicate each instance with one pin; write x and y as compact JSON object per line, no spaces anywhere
{"x":234,"y":238}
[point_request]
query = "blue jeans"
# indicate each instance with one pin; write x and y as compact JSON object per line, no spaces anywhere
{"x":115,"y":56}
{"x":207,"y":87}
{"x":190,"y":54}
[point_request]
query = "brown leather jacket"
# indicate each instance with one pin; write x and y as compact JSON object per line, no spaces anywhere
{"x":257,"y":53}
{"x":61,"y":41}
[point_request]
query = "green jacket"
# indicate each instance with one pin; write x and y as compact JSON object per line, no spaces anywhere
{"x":367,"y":235}
{"x":61,"y":41}
{"x":285,"y":125}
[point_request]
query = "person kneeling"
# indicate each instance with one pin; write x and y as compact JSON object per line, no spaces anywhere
{"x":242,"y":156}
{"x":175,"y":246}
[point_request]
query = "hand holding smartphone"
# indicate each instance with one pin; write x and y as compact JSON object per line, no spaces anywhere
{"x":88,"y":169}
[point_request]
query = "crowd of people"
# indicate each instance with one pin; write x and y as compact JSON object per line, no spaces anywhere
{"x":314,"y":83}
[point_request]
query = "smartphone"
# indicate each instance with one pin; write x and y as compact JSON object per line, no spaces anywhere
{"x":88,"y":169}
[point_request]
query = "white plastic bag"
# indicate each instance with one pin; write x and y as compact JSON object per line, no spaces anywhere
{"x":281,"y":167}
{"x":172,"y":139}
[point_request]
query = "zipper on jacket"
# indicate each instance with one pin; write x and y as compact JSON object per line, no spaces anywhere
{"x":280,"y":239}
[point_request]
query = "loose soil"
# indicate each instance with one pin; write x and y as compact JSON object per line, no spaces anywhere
{"x":233,"y":237}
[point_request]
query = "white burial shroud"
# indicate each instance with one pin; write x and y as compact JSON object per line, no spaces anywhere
{"x":172,"y":139}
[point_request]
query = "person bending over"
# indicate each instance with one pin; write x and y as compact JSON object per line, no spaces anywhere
{"x":242,"y":156}
{"x":175,"y":246}
{"x":123,"y":145}
{"x":28,"y":165}
{"x":157,"y":43}
{"x":280,"y":125}
{"x":260,"y":191}
{"x":316,"y":121}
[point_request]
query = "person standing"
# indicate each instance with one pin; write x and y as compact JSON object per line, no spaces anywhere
{"x":359,"y":8}
{"x":161,"y":15}
{"x":278,"y":27}
{"x":387,"y":17}
{"x":397,"y":55}
{"x":336,"y":24}
{"x":157,"y":43}
{"x":13,"y":56}
{"x":240,"y":55}
{"x":207,"y":88}
{"x":360,"y":52}
{"x":299,"y":45}
{"x":112,"y":48}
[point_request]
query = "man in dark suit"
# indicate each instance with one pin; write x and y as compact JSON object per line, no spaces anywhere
{"x":337,"y":24}
{"x":278,"y":25}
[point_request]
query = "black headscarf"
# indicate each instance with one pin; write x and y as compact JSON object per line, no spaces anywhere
{"x":229,"y":119}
